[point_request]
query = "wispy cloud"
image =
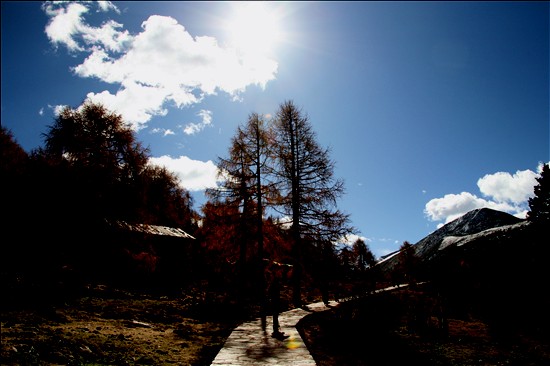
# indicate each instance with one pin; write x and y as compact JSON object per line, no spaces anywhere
{"x":163,"y":131}
{"x":501,"y":191}
{"x":192,"y":128}
{"x":106,"y":6}
{"x":161,"y":66}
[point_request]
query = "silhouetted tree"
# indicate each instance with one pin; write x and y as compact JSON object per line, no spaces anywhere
{"x":17,"y":198}
{"x":244,"y":185}
{"x":408,"y":263}
{"x":309,"y":190}
{"x":101,"y":171}
{"x":243,"y":180}
{"x":99,"y":154}
{"x":540,"y":204}
{"x":346,"y":258}
{"x":13,"y":159}
{"x":324,"y":267}
{"x":364,"y":256}
{"x":14,"y":165}
{"x":163,"y":201}
{"x":93,"y":171}
{"x":218,"y":234}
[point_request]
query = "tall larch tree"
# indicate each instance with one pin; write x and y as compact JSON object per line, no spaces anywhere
{"x":244,"y":185}
{"x":309,"y":190}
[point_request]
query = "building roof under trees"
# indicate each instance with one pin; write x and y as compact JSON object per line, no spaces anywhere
{"x":151,"y":229}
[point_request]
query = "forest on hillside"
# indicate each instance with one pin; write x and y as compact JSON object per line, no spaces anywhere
{"x":72,"y":207}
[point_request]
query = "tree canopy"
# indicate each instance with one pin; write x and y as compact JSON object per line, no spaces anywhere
{"x":540,"y":204}
{"x":106,"y":171}
{"x":281,"y":165}
{"x":277,"y":199}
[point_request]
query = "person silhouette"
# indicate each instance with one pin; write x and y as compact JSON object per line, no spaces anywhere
{"x":277,"y":273}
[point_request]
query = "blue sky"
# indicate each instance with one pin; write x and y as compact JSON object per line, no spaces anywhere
{"x":431,"y":109}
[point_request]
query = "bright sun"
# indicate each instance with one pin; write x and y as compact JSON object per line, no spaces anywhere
{"x":253,"y":27}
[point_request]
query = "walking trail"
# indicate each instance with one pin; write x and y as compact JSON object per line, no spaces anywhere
{"x":252,"y":344}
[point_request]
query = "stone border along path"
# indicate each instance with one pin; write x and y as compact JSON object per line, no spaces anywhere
{"x":250,"y":344}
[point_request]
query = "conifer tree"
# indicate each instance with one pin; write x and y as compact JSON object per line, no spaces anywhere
{"x":243,"y":184}
{"x":309,"y":190}
{"x":539,"y":204}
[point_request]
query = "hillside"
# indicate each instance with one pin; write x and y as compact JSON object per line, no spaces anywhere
{"x":477,"y":296}
{"x":473,"y":222}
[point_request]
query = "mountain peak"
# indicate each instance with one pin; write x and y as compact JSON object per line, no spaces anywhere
{"x":475,"y":221}
{"x":472,"y":222}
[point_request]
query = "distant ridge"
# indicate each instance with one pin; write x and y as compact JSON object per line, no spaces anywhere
{"x":472,"y":222}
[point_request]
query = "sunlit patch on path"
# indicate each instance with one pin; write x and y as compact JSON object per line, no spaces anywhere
{"x":250,"y":344}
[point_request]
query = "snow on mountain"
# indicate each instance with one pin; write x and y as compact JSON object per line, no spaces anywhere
{"x":459,"y":232}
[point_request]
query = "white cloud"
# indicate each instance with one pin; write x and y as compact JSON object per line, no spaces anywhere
{"x":502,"y":191}
{"x":162,"y":64}
{"x":193,"y":128}
{"x":540,"y":166}
{"x":164,"y":131}
{"x":57,"y":109}
{"x":136,"y":103}
{"x":285,"y":222}
{"x":195,"y":175}
{"x":352,"y":238}
{"x":106,"y":6}
{"x":108,"y":36}
{"x":452,"y":206}
{"x":503,"y":187}
{"x":65,"y":24}
{"x":67,"y":27}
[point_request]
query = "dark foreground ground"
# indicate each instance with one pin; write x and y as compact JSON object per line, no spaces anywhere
{"x":110,"y":327}
{"x":113,"y":327}
{"x":403,"y":328}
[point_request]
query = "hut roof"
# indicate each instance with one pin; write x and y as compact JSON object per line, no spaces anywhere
{"x":152,"y":229}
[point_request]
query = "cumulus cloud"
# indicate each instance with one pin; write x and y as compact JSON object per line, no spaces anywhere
{"x":501,"y":191}
{"x":159,"y":66}
{"x":503,"y":186}
{"x":135,"y":102}
{"x":452,"y":206}
{"x":65,"y":24}
{"x":67,"y":27}
{"x":194,"y":175}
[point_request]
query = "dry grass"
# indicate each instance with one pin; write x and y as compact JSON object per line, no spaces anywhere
{"x":125,"y":329}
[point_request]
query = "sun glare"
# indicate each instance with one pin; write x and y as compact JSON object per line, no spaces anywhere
{"x":253,"y":27}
